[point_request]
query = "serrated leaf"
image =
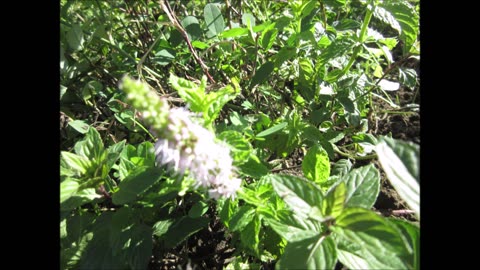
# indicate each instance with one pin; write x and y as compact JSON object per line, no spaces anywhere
{"x":79,"y":125}
{"x":241,"y":218}
{"x":250,"y":234}
{"x":334,"y":201}
{"x":75,"y":163}
{"x":136,"y":183}
{"x":113,"y":153}
{"x":182,"y":229}
{"x":293,"y":228}
{"x":68,"y":187}
{"x":318,"y":252}
{"x":408,"y":77}
{"x":91,"y":146}
{"x":316,"y":165}
{"x":75,"y":37}
{"x":192,"y":93}
{"x":400,"y":176}
{"x":339,"y":47}
{"x":262,"y":73}
{"x":298,"y":193}
{"x":363,"y":186}
{"x":402,"y":17}
{"x":213,"y":19}
{"x":382,"y":245}
{"x":341,"y":167}
{"x":192,"y":27}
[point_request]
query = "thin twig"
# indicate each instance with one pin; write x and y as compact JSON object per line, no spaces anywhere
{"x":173,"y":19}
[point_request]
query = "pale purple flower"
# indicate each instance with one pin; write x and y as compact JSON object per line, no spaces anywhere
{"x":193,"y":148}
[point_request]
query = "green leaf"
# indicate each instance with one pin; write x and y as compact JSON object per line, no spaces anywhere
{"x":183,"y":228}
{"x":75,"y":37}
{"x":136,"y":183}
{"x":130,"y":240}
{"x":160,"y":228}
{"x":262,"y":73}
{"x":91,"y":146}
{"x":79,"y":125}
{"x":164,"y":56}
{"x":272,"y":130}
{"x":213,"y":19}
{"x":198,"y":209}
{"x":268,"y":38}
{"x":341,"y":167}
{"x":316,"y":165}
{"x":400,"y":161}
{"x":248,"y":20}
{"x":318,"y":252}
{"x":192,"y":27}
{"x":285,"y":53}
{"x":402,"y":17}
{"x":407,"y":77}
{"x":294,"y":228}
{"x":78,"y":164}
{"x":363,"y":186}
{"x":91,"y":89}
{"x":250,"y":235}
{"x":339,"y":47}
{"x":68,"y":187}
{"x":299,"y":194}
{"x":81,"y":197}
{"x":241,"y":148}
{"x":98,"y":253}
{"x":253,"y":168}
{"x":234,"y":32}
{"x":334,"y":3}
{"x":215,"y":101}
{"x":192,"y":93}
{"x":334,"y":201}
{"x":411,"y":233}
{"x":381,"y":243}
{"x":241,"y":218}
{"x":113,"y":153}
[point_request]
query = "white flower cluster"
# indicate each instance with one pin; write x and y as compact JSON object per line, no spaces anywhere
{"x":184,"y":145}
{"x":193,"y":148}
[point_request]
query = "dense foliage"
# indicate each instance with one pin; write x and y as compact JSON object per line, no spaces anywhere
{"x":254,"y":122}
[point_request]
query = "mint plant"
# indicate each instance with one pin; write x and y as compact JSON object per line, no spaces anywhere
{"x":239,"y":135}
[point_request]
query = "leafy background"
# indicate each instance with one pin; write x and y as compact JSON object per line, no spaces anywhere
{"x":307,"y":93}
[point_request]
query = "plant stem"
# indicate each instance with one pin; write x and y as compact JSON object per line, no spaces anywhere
{"x":361,"y":39}
{"x":371,"y":156}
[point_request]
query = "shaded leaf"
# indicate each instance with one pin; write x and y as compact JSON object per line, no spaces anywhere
{"x":79,"y":125}
{"x":262,"y":73}
{"x":182,"y":229}
{"x":136,"y":183}
{"x":213,"y":19}
{"x":75,"y":37}
{"x":192,"y":27}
